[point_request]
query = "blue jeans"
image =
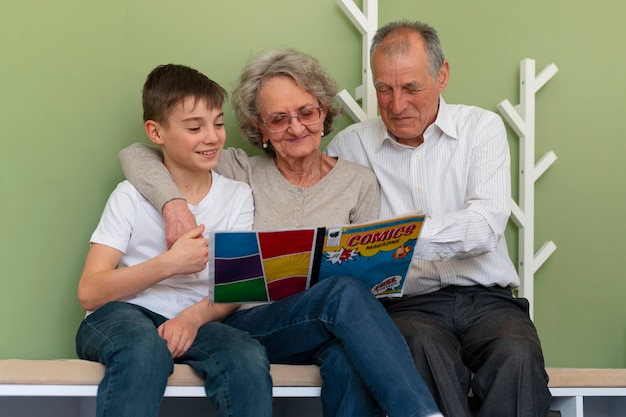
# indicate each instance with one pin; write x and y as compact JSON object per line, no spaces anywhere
{"x":339,"y":325}
{"x":124,"y":338}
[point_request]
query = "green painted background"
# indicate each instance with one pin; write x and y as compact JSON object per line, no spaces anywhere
{"x":70,"y":78}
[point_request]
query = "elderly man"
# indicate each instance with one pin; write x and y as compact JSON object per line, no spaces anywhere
{"x":463,"y":325}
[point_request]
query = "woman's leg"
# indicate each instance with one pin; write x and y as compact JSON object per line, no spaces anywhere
{"x":235,"y":369}
{"x":295,"y":328}
{"x":124,"y":338}
{"x":344,"y":393}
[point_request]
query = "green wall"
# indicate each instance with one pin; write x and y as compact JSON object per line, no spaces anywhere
{"x":70,"y":79}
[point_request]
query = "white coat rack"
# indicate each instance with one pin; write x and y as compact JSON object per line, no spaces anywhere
{"x":521,"y":118}
{"x":367,"y":24}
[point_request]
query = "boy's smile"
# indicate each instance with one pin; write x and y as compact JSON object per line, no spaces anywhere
{"x":192,"y":137}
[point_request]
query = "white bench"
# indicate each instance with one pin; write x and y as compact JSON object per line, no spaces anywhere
{"x":68,"y":388}
{"x":576,"y":392}
{"x":588,"y":392}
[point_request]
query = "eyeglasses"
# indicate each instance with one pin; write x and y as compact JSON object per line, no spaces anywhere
{"x":279,"y":122}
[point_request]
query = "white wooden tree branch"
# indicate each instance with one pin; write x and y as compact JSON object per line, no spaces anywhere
{"x":521,"y":118}
{"x":367,"y":24}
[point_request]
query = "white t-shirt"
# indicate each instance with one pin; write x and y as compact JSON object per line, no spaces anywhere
{"x":133,"y":226}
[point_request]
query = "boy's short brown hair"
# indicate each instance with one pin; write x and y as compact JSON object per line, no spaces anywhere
{"x":168,"y":85}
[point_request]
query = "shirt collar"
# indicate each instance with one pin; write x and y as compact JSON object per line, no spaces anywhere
{"x":443,"y":123}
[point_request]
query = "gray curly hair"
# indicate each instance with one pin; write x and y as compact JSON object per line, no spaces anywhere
{"x":305,"y":70}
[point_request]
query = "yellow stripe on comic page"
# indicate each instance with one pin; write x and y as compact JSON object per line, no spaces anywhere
{"x":287,"y":266}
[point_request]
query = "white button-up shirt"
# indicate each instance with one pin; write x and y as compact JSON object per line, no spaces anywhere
{"x":460,"y":178}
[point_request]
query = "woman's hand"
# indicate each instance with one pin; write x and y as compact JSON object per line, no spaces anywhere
{"x":178,"y":220}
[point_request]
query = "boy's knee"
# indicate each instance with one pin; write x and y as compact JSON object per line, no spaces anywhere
{"x":236,"y":350}
{"x":149,"y":364}
{"x":253,"y":356}
{"x":143,"y":353}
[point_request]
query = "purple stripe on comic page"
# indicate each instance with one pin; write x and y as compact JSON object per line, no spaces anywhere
{"x":240,"y":269}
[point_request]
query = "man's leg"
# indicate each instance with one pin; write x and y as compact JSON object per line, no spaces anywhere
{"x":425,"y":322}
{"x":235,"y":369}
{"x":503,"y":350}
{"x":124,"y":338}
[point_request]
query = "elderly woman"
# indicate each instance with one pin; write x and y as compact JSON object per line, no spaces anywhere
{"x":284,"y":105}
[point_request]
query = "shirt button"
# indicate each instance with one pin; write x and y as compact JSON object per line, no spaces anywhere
{"x":418,"y":187}
{"x":417,"y":153}
{"x":442,"y":255}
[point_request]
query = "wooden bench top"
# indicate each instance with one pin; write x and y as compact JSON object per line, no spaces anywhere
{"x":586,"y":377}
{"x":80,"y":372}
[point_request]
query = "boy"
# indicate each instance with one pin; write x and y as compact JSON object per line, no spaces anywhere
{"x":146,"y":305}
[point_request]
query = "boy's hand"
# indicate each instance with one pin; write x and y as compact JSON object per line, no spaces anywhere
{"x":190,"y":253}
{"x":178,"y":220}
{"x":179,"y":335}
{"x":181,"y":331}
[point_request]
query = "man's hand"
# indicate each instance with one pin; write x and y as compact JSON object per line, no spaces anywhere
{"x":178,"y":220}
{"x":190,"y":253}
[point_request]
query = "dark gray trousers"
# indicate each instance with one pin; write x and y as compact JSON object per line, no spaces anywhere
{"x":479,"y":338}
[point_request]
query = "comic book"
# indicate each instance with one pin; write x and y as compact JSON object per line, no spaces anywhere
{"x":264,"y":266}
